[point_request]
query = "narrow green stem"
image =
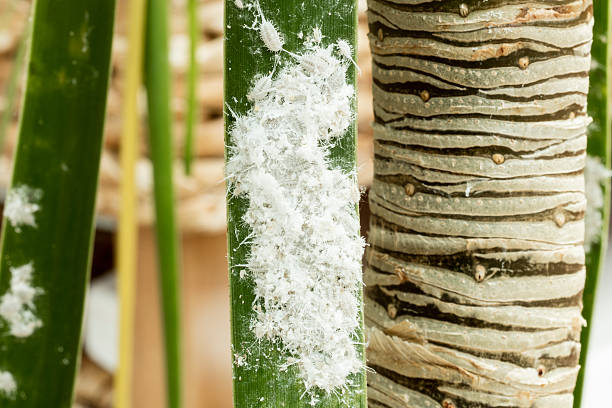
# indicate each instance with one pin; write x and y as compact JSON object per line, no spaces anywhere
{"x":157,"y":80}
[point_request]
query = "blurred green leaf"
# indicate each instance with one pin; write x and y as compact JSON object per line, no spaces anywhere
{"x":157,"y":81}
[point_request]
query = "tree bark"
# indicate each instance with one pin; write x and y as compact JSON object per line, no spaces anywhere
{"x":475,"y":269}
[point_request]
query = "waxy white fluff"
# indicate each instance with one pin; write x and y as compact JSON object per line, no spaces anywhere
{"x":8,"y":386}
{"x":306,"y":249}
{"x":21,"y":205}
{"x":17,"y":304}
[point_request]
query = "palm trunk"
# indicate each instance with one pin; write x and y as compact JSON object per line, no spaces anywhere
{"x":475,"y":269}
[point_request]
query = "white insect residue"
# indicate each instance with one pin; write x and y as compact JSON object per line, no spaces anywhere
{"x":85,"y":35}
{"x":595,"y":173}
{"x":20,"y":206}
{"x":8,"y":386}
{"x":239,"y":4}
{"x":17,"y":305}
{"x":345,"y":49}
{"x":317,"y":35}
{"x":306,"y":251}
{"x":239,"y":360}
{"x":468,"y":188}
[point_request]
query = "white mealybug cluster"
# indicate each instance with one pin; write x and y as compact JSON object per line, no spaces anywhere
{"x":8,"y":386}
{"x":305,"y":258}
{"x":595,"y":173}
{"x":20,"y":206}
{"x":239,"y":4}
{"x":17,"y":305}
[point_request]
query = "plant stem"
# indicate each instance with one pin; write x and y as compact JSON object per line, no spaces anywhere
{"x":58,"y":156}
{"x":128,"y":226}
{"x":157,"y":80}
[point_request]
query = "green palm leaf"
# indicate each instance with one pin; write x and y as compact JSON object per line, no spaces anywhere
{"x":49,"y":212}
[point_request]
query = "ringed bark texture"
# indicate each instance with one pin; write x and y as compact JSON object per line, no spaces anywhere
{"x":475,"y":268}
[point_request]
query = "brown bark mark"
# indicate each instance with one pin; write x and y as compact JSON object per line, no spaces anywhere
{"x":475,"y":269}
